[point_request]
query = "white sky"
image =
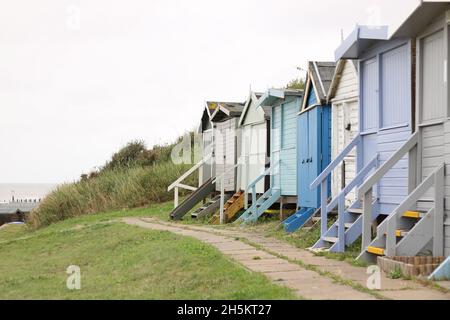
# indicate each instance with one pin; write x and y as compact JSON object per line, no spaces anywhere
{"x":72,"y":94}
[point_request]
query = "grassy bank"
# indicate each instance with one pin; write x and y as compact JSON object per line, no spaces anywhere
{"x":110,"y":190}
{"x":134,"y":177}
{"x":118,"y":261}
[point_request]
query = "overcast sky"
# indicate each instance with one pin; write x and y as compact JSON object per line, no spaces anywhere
{"x":81,"y":78}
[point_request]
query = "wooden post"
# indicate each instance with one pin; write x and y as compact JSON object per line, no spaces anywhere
{"x":200,"y":176}
{"x":254,"y":199}
{"x":246,"y":182}
{"x":343,"y":175}
{"x":412,"y":169}
{"x":175,"y":200}
{"x":391,"y":237}
{"x":341,"y":223}
{"x":323,"y":207}
{"x":438,"y":228}
{"x":222,"y":200}
{"x":367,"y":220}
{"x":281,"y":209}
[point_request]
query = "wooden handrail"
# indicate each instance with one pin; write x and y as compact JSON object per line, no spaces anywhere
{"x":372,"y":164}
{"x":262,"y":175}
{"x":219,"y":178}
{"x":189,"y":172}
{"x":434,"y":179}
{"x":222,"y":191}
{"x":186,"y":187}
{"x":324,"y":174}
{"x":383,"y":169}
{"x":252,"y":186}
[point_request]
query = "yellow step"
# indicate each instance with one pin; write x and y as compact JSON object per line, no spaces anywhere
{"x":412,"y":214}
{"x":277,"y":211}
{"x":231,"y":208}
{"x":375,"y":250}
{"x":400,"y":233}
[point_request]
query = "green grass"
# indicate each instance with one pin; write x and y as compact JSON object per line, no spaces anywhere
{"x":110,"y":190}
{"x":396,"y":274}
{"x":119,"y":261}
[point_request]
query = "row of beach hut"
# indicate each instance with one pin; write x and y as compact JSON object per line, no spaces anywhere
{"x":366,"y":145}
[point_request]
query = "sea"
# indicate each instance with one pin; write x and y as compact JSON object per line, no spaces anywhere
{"x":24,"y":191}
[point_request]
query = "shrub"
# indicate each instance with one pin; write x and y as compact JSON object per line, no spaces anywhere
{"x":110,"y":190}
{"x":134,"y":177}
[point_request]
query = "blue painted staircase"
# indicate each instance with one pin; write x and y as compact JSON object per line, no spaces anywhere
{"x":298,"y":220}
{"x":257,"y":208}
{"x":348,"y":227}
{"x":353,"y":229}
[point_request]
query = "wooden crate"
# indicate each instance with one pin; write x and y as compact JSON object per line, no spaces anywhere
{"x":410,"y":266}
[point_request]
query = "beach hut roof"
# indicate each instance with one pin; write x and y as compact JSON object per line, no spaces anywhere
{"x":272,"y":96}
{"x":337,"y":76}
{"x":318,"y":82}
{"x":361,"y":38}
{"x":252,"y":97}
{"x":321,"y":74}
{"x":420,"y":17}
{"x":208,"y":110}
{"x":225,"y":110}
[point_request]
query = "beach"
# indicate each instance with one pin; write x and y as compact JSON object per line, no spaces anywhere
{"x":24,"y":191}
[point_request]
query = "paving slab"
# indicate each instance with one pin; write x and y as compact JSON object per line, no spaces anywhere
{"x":444,"y":284}
{"x":250,"y":255}
{"x":250,"y":252}
{"x":415,"y":294}
{"x":317,"y":287}
{"x":406,"y":289}
{"x":273,"y":257}
{"x":267,"y":268}
{"x":289,"y":275}
{"x":272,"y":264}
{"x":235,"y":245}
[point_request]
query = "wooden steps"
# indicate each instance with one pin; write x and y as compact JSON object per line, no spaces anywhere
{"x":208,"y":208}
{"x":413,"y":214}
{"x":231,"y":208}
{"x":407,"y":214}
{"x":348,"y":225}
{"x":277,"y":211}
{"x":399,"y":233}
{"x":331,"y":239}
{"x":193,"y":199}
{"x":375,"y":250}
{"x":356,"y":210}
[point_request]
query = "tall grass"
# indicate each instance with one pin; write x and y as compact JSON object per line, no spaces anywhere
{"x":110,"y":190}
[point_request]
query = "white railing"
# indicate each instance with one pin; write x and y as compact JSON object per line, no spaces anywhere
{"x":222,"y":188}
{"x":322,"y":181}
{"x":365,"y":191}
{"x":340,"y":200}
{"x":436,"y":180}
{"x":176,"y":185}
{"x":252,"y":185}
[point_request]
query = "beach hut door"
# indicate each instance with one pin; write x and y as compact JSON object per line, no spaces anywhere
{"x":306,"y":159}
{"x":369,"y":112}
{"x":433,"y":109}
{"x":207,"y":150}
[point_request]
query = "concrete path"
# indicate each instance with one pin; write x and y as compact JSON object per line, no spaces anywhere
{"x":311,"y":276}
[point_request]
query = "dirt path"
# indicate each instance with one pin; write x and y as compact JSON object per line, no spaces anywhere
{"x":311,"y":276}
